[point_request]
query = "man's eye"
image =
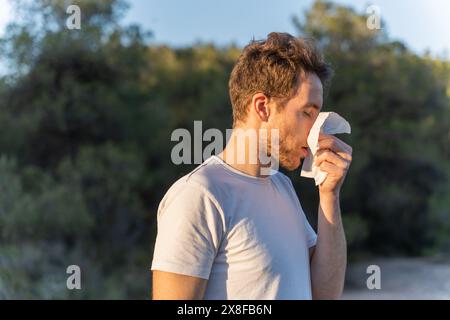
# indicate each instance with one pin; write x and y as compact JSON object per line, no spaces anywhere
{"x":307,"y":114}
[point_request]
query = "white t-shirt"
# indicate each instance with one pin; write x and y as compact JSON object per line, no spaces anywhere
{"x":247,"y":235}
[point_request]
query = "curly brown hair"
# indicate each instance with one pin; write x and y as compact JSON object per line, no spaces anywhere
{"x":275,"y":67}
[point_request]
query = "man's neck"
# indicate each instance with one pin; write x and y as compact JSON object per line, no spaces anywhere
{"x":234,"y":152}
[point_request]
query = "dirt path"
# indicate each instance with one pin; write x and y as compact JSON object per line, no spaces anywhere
{"x":401,"y":278}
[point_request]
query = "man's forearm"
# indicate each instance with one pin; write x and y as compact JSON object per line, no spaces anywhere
{"x":329,"y":260}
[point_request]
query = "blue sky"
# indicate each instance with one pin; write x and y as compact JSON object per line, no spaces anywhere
{"x":420,"y":24}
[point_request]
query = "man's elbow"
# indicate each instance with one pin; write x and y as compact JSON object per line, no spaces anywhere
{"x":328,"y":293}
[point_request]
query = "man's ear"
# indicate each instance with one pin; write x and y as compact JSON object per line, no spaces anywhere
{"x":260,"y":104}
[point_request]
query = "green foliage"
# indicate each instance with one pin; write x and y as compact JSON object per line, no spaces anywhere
{"x":398,"y":105}
{"x":85,"y":125}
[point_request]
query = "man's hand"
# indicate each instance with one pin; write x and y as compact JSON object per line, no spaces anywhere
{"x":334,"y":157}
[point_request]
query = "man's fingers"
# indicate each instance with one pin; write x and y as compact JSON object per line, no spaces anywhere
{"x":327,"y":141}
{"x":330,"y":156}
{"x":346,"y":156}
{"x":332,"y":169}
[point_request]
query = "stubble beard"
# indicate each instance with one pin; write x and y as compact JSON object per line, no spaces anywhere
{"x":285,"y":156}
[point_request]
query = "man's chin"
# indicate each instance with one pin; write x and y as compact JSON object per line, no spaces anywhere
{"x":291,"y":165}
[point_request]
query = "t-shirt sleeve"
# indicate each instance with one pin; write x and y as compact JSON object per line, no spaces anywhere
{"x":189,"y":231}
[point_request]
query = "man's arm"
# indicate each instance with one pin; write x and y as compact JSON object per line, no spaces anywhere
{"x":329,"y":257}
{"x":190,"y":228}
{"x":173,"y":286}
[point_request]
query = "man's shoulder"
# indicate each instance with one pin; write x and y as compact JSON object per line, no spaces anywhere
{"x":208,"y":174}
{"x":205,"y":180}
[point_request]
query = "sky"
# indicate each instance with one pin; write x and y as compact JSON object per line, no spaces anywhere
{"x":418,"y":23}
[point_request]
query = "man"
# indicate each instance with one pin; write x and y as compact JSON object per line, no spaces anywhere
{"x":226,"y":231}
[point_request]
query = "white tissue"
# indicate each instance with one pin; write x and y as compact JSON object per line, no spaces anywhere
{"x":328,"y":123}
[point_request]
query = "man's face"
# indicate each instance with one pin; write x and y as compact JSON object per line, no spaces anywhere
{"x":295,"y":120}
